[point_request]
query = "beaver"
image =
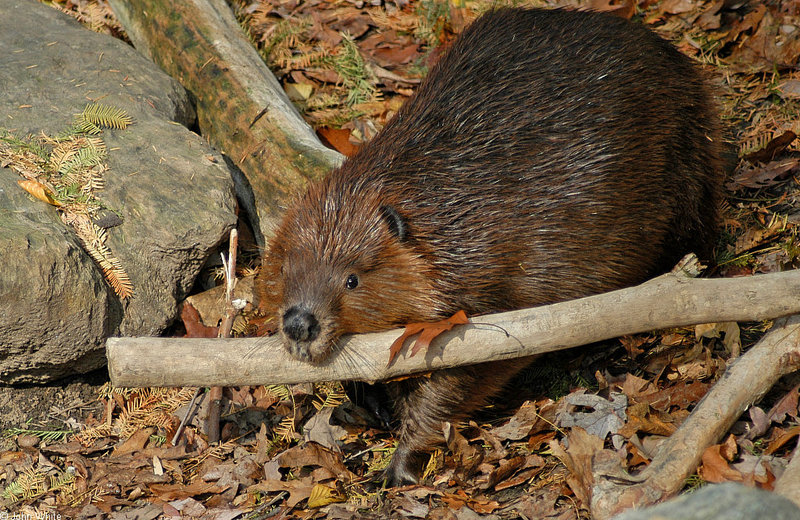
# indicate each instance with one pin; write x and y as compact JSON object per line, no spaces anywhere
{"x":548,"y":155}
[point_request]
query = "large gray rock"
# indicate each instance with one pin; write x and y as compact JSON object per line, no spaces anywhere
{"x":727,"y":501}
{"x":50,"y":291}
{"x":174,"y":193}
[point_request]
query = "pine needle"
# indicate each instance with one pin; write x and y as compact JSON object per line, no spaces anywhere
{"x":66,"y":171}
{"x":94,"y":241}
{"x":328,"y":396}
{"x":61,"y":154}
{"x":45,"y":435}
{"x":350,"y":66}
{"x":285,"y":430}
{"x":86,"y":127}
{"x":280,"y":391}
{"x":106,"y":116}
{"x":29,"y":484}
{"x":139,"y":408}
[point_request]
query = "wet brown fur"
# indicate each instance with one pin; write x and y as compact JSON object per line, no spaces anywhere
{"x":549,"y":155}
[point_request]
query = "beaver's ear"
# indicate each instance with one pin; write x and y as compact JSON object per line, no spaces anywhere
{"x":397,"y":224}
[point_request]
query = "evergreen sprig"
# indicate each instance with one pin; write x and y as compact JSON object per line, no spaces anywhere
{"x":98,"y":115}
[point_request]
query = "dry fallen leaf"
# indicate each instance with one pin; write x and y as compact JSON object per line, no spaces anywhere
{"x":320,"y":429}
{"x":460,"y":498}
{"x":520,"y":425}
{"x":38,"y":190}
{"x":787,"y":405}
{"x":760,"y":422}
{"x":298,"y":91}
{"x":782,"y":439}
{"x":732,"y":336}
{"x":632,"y":344}
{"x":790,"y":89}
{"x":715,"y":467}
{"x":194,"y":325}
{"x":134,"y":443}
{"x":169,"y":492}
{"x":577,"y":457}
{"x":774,"y":45}
{"x":338,"y":139}
{"x":505,"y":470}
{"x":298,"y":489}
{"x":313,"y":454}
{"x":680,"y":394}
{"x":625,"y":9}
{"x":467,"y":457}
{"x":635,"y":386}
{"x":540,"y":503}
{"x":773,"y":148}
{"x":641,"y":418}
{"x":678,"y":6}
{"x":759,"y":470}
{"x":323,"y":495}
{"x":605,"y":416}
{"x":763,"y":176}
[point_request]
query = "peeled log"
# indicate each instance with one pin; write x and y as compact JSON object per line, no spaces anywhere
{"x":241,"y":107}
{"x":667,"y":301}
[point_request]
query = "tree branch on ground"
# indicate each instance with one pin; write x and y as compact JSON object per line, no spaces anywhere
{"x":744,"y":383}
{"x":671,"y":300}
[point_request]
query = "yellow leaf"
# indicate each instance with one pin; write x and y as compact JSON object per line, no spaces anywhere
{"x":38,"y":190}
{"x":323,"y":495}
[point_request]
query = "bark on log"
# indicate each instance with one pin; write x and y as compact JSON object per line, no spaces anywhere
{"x":667,"y":301}
{"x":241,"y":107}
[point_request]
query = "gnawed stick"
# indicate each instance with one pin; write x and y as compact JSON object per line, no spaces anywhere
{"x":744,"y":382}
{"x":667,"y":301}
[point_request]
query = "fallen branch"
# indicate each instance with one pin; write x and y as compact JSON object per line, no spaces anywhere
{"x":744,"y":383}
{"x":667,"y":301}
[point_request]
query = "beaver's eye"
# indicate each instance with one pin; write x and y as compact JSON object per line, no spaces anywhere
{"x":352,"y":282}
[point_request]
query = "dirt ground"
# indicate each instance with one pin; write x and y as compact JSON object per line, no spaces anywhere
{"x":59,"y":405}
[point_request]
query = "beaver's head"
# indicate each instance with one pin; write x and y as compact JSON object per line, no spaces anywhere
{"x":344,"y":260}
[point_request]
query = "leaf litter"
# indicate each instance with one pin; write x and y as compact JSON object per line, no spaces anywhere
{"x":306,"y":452}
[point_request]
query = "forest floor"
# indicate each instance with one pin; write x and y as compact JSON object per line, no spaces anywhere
{"x":86,"y":450}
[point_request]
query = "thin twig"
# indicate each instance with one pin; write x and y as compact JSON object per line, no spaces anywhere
{"x":189,"y":413}
{"x":229,"y":265}
{"x":215,"y":394}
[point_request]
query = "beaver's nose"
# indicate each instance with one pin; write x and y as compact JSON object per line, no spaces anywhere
{"x":300,"y":324}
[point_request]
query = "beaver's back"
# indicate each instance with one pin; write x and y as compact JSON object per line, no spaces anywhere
{"x":548,"y":155}
{"x":576,"y":153}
